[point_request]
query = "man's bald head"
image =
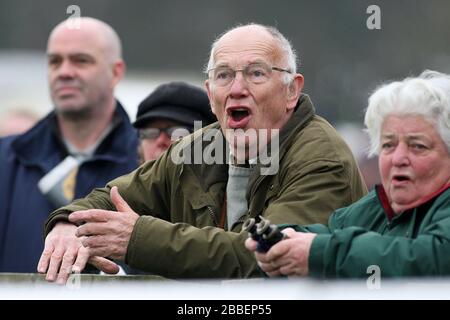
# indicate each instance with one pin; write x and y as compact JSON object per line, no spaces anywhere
{"x":281,"y":42}
{"x":84,"y":66}
{"x":103,"y":35}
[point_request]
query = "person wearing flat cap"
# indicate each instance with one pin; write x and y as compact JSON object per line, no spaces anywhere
{"x":169,"y":112}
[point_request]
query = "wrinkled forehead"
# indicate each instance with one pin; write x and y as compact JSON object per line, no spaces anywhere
{"x":245,"y":45}
{"x":410,"y":127}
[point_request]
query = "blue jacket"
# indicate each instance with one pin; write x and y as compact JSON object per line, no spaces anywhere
{"x":26,"y":158}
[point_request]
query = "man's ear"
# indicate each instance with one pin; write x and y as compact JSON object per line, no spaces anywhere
{"x":119,"y":69}
{"x":294,"y":90}
{"x":208,"y":91}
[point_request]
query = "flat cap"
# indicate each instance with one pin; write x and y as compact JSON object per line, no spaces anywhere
{"x":176,"y":101}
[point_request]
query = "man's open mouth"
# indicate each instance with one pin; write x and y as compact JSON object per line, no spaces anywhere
{"x":239,"y":114}
{"x":238,"y":117}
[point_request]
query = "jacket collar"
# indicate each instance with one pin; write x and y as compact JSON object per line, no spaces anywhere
{"x":42,"y":145}
{"x":383,"y":198}
{"x":303,"y":114}
{"x":212,"y":174}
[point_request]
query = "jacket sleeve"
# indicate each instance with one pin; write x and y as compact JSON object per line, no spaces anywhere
{"x":215,"y":253}
{"x":350,"y":251}
{"x":179,"y":250}
{"x":173,"y":250}
{"x":310,"y":194}
{"x":133,"y":187}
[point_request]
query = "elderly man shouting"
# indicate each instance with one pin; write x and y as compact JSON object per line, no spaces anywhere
{"x":183,"y":219}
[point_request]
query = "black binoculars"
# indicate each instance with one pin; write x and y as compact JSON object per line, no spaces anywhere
{"x":263,"y":232}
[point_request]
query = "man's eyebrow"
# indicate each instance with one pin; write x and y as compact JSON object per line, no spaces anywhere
{"x":219,"y":65}
{"x":75,"y":54}
{"x":226,"y":64}
{"x":81,"y":54}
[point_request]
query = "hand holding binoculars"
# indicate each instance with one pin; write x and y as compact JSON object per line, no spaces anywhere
{"x":263,"y":232}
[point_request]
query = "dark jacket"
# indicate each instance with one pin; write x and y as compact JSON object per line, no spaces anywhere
{"x":414,"y":243}
{"x":317,"y":174}
{"x":26,"y":158}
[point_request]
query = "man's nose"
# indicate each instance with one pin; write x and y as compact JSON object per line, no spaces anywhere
{"x":66,"y":70}
{"x":239,"y":85}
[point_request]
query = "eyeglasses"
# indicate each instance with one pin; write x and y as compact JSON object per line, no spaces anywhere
{"x":254,"y":72}
{"x":171,"y":132}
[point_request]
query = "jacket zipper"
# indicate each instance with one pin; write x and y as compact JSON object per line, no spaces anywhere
{"x":213,"y":215}
{"x":242,"y":219}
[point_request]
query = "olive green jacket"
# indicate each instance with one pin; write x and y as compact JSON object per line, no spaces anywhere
{"x":179,"y":235}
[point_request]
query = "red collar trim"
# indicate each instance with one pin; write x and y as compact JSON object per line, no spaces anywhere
{"x":382,"y":196}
